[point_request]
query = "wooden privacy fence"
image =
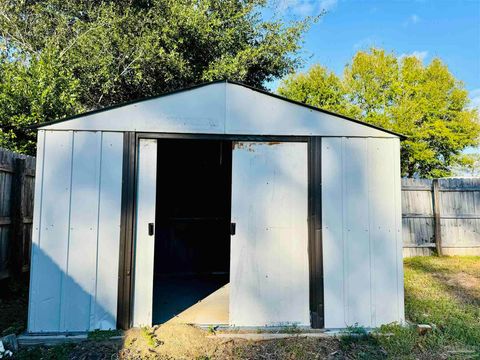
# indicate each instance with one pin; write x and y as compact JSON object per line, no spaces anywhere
{"x":441,"y":215}
{"x":16,"y":211}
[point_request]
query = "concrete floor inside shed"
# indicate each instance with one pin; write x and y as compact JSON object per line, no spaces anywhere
{"x":200,"y":300}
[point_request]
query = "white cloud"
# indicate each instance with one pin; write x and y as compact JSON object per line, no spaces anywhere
{"x":328,"y":4}
{"x":475,"y":99}
{"x":365,"y":43}
{"x":306,"y":7}
{"x":420,"y":55}
{"x":412,"y":20}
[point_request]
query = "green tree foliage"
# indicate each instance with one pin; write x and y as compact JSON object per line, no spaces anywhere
{"x":468,"y":165}
{"x":425,"y":103}
{"x":98,"y":53}
{"x":32,"y":92}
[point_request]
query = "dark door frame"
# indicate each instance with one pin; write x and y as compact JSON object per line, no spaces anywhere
{"x":128,"y":210}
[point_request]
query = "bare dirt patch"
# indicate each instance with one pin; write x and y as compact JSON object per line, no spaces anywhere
{"x":177,"y":341}
{"x":463,"y":286}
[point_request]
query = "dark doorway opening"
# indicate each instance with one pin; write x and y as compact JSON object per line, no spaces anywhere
{"x":192,"y":236}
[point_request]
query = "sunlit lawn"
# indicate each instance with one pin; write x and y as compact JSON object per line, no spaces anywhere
{"x":444,"y":293}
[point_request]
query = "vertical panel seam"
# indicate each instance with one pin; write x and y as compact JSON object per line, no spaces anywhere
{"x":344,"y":234}
{"x":370,"y":232}
{"x":62,"y":317}
{"x":93,"y":301}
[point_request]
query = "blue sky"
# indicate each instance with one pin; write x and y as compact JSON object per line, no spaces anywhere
{"x":447,"y":29}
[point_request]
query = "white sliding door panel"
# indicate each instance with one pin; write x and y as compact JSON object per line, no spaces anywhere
{"x":269,"y":277}
{"x":145,"y":242}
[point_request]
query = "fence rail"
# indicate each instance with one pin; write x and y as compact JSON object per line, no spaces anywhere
{"x":441,"y":215}
{"x":17,"y":180}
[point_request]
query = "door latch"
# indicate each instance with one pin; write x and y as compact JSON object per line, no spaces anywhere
{"x":233,"y":227}
{"x":151,"y":229}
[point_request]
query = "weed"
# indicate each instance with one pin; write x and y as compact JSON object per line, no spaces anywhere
{"x":354,"y":330}
{"x":149,"y":336}
{"x":212,"y":329}
{"x":290,"y":329}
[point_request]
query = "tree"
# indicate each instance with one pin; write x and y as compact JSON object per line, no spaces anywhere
{"x":317,"y":87}
{"x":467,"y":166}
{"x":425,"y":103}
{"x":114,"y":51}
{"x":33,"y":93}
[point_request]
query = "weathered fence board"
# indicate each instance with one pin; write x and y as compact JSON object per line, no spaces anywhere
{"x":458,"y":218}
{"x":16,"y":207}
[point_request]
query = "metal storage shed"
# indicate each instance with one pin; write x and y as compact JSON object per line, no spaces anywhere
{"x":296,"y":209}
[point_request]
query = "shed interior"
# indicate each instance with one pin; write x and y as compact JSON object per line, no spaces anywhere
{"x":192,"y":232}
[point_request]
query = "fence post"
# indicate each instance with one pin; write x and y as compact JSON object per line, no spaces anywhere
{"x":437,"y":214}
{"x":18,"y":213}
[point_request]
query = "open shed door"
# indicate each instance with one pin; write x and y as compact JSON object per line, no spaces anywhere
{"x":269,"y":278}
{"x":145,"y":232}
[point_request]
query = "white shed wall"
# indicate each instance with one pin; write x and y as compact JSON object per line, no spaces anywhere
{"x":250,"y":112}
{"x":361,"y":219}
{"x":76,"y":231}
{"x":220,"y":108}
{"x":199,"y":110}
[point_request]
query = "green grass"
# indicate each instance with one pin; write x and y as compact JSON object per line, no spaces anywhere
{"x":442,"y":292}
{"x":101,"y":335}
{"x":58,"y":352}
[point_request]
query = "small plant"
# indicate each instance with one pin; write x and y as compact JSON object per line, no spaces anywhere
{"x":212,"y":329}
{"x":290,"y":329}
{"x":355,"y":330}
{"x":149,"y":336}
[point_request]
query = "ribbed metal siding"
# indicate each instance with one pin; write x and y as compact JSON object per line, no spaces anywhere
{"x":76,"y":231}
{"x":362,"y":244}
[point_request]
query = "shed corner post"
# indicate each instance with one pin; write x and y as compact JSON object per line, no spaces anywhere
{"x":315,"y":248}
{"x":125,"y":278}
